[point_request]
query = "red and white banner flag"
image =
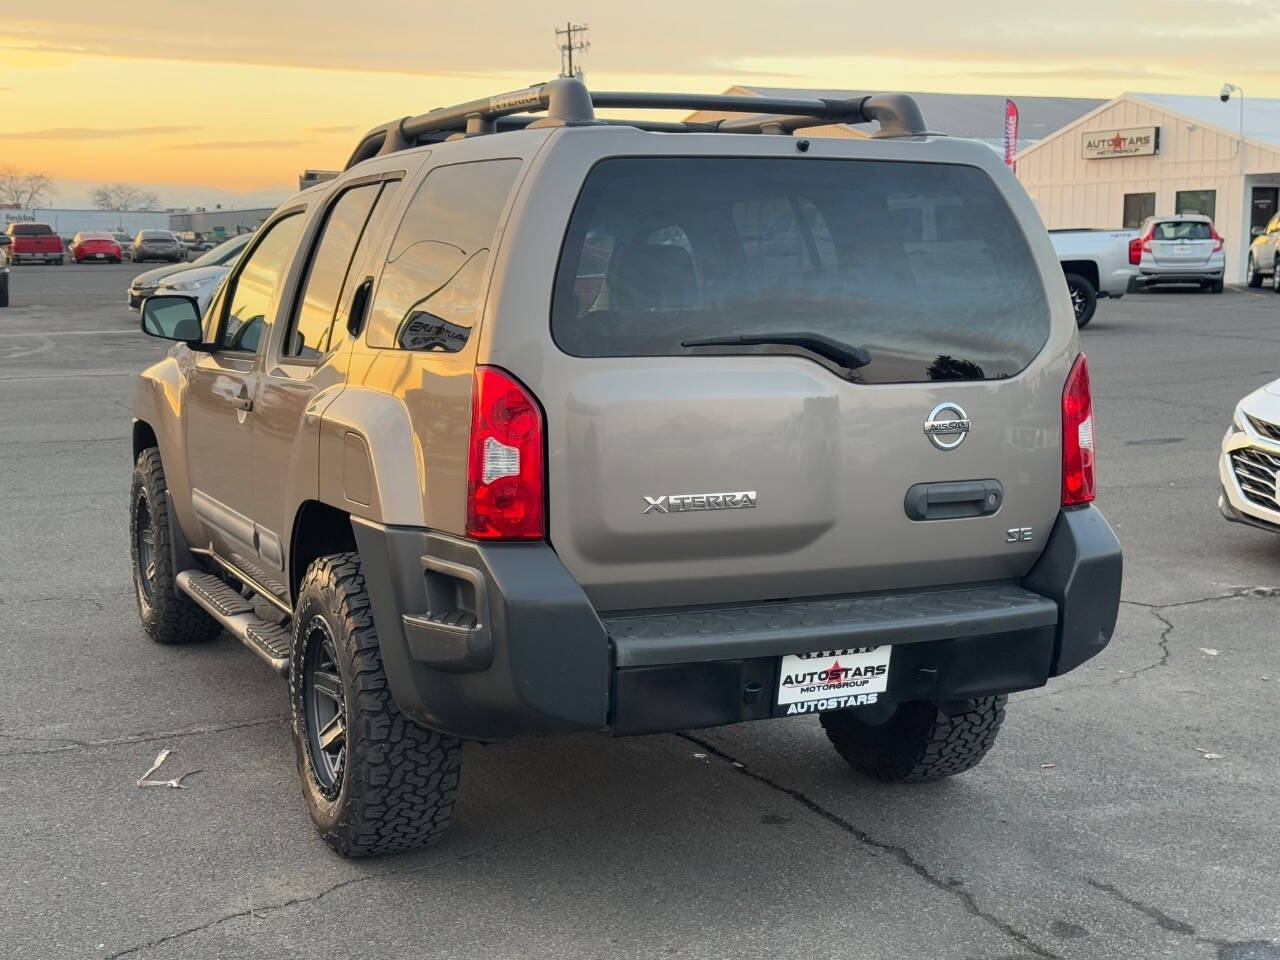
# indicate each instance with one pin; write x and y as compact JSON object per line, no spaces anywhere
{"x":1010,"y":133}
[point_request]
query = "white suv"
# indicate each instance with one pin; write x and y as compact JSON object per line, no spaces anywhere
{"x":1181,"y":249}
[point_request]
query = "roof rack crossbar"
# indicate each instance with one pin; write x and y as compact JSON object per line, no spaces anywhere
{"x":567,"y":101}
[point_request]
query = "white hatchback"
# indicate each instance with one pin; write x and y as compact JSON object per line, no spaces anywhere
{"x":1181,"y":249}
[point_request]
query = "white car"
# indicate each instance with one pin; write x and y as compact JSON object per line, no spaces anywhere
{"x":1250,"y":461}
{"x":198,"y":282}
{"x":1181,"y":249}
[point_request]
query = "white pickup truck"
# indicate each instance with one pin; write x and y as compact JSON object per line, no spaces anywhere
{"x":1097,"y":263}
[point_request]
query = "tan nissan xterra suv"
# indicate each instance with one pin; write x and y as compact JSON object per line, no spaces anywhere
{"x":526,"y":426}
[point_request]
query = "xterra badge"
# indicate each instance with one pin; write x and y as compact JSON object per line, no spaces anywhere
{"x":684,"y":502}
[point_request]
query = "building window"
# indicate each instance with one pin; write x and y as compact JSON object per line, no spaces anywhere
{"x":1137,"y":207}
{"x":1196,"y":201}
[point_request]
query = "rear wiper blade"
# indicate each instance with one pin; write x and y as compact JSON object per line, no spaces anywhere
{"x":847,"y":355}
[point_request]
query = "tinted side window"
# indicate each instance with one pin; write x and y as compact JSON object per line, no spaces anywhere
{"x":252,"y":290}
{"x":314,"y":333}
{"x":430,"y":288}
{"x":921,"y":265}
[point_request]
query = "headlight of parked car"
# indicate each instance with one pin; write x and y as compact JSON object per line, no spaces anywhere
{"x":188,"y":285}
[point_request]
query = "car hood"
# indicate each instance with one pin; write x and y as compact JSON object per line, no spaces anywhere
{"x":192,"y":274}
{"x":151,"y":277}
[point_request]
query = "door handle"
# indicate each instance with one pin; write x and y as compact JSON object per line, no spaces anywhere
{"x":952,"y":501}
{"x":242,"y":401}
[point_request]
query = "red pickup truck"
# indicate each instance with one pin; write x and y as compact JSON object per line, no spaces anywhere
{"x":35,"y":242}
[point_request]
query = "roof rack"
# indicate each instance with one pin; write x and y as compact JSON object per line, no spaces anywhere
{"x":568,"y":102}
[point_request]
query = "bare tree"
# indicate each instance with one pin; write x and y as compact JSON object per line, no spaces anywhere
{"x":24,"y":190}
{"x":121,"y":196}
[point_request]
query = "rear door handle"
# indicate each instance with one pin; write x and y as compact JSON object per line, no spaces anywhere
{"x":242,"y":401}
{"x":953,"y":500}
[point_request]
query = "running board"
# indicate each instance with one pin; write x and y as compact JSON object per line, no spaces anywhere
{"x":268,"y":640}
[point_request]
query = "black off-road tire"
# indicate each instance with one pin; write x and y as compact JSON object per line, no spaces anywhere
{"x":1216,"y":286}
{"x":1252,"y":277}
{"x":1084,"y":298}
{"x":168,"y":615}
{"x":397,"y":782}
{"x":920,"y":741}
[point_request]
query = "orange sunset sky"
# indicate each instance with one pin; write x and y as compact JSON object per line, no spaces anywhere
{"x":207,"y":101}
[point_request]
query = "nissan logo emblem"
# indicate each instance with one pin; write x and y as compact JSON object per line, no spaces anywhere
{"x":946,"y":426}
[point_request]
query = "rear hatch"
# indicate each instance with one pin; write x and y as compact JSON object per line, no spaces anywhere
{"x":880,"y":304}
{"x":1182,"y":243}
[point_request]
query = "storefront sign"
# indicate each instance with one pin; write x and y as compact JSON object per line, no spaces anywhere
{"x":1133,"y":142}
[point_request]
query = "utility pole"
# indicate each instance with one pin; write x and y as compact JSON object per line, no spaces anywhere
{"x":572,"y":37}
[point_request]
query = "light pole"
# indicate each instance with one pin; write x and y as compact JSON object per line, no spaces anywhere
{"x":1224,"y":95}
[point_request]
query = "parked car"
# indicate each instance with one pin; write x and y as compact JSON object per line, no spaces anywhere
{"x":197,"y":282}
{"x":1096,"y":264}
{"x":101,"y":247}
{"x":34,"y":243}
{"x":155,"y":245}
{"x":6,"y":242}
{"x":145,"y":284}
{"x":1249,"y":465}
{"x":415,"y":464}
{"x":125,"y":241}
{"x":1264,"y":255}
{"x":1180,"y":249}
{"x":195,"y":243}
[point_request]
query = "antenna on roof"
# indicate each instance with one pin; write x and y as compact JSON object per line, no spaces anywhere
{"x":568,"y":41}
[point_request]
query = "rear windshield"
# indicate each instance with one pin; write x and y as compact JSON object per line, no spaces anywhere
{"x":156,"y":235}
{"x":30,"y":230}
{"x":1182,"y":230}
{"x":921,"y":269}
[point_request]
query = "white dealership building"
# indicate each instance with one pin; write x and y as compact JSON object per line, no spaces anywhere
{"x":1145,"y":154}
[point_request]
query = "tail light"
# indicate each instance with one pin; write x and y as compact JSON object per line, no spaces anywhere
{"x":1078,"y":479}
{"x":1217,"y":240}
{"x":1135,"y":251}
{"x":506,"y":478}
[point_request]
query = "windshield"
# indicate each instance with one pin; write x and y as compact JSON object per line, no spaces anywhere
{"x":921,"y":268}
{"x":31,"y":230}
{"x":223,"y":253}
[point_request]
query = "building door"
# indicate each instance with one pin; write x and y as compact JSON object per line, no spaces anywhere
{"x":1137,"y":207}
{"x":1262,"y":207}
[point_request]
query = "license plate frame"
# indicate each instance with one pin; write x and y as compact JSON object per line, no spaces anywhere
{"x":806,"y":683}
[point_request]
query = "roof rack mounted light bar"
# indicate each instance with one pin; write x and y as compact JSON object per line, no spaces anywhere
{"x":567,"y":101}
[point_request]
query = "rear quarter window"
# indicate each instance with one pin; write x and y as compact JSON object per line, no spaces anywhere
{"x":922,"y":265}
{"x":430,"y":290}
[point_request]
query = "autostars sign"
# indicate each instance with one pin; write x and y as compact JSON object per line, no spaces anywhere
{"x":1133,"y":142}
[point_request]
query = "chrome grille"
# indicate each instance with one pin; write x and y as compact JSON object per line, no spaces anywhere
{"x":1268,"y":430}
{"x":1256,"y":473}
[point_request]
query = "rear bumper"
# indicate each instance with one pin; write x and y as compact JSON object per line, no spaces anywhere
{"x":494,"y":641}
{"x":48,"y":257}
{"x":1149,"y":276}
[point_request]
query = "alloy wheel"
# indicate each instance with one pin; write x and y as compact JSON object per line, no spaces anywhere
{"x":325,"y":708}
{"x":145,"y":542}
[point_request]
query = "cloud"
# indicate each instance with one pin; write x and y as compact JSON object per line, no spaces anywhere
{"x":235,"y":145}
{"x":335,"y":128}
{"x":1069,"y":73}
{"x":92,"y":133}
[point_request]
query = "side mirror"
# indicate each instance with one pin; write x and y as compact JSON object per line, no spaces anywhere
{"x":1257,"y":231}
{"x":173,"y":318}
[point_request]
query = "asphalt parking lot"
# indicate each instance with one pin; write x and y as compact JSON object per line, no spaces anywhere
{"x":1129,"y":810}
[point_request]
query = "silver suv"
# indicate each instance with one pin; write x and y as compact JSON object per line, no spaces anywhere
{"x":528,"y":426}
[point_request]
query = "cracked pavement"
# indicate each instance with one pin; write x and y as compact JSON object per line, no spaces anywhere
{"x":1096,"y":828}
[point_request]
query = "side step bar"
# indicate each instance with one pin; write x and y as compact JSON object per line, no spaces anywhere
{"x":268,"y":640}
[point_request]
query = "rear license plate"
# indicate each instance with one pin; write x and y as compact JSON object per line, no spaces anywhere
{"x":1182,"y":248}
{"x":99,"y":256}
{"x":832,"y":680}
